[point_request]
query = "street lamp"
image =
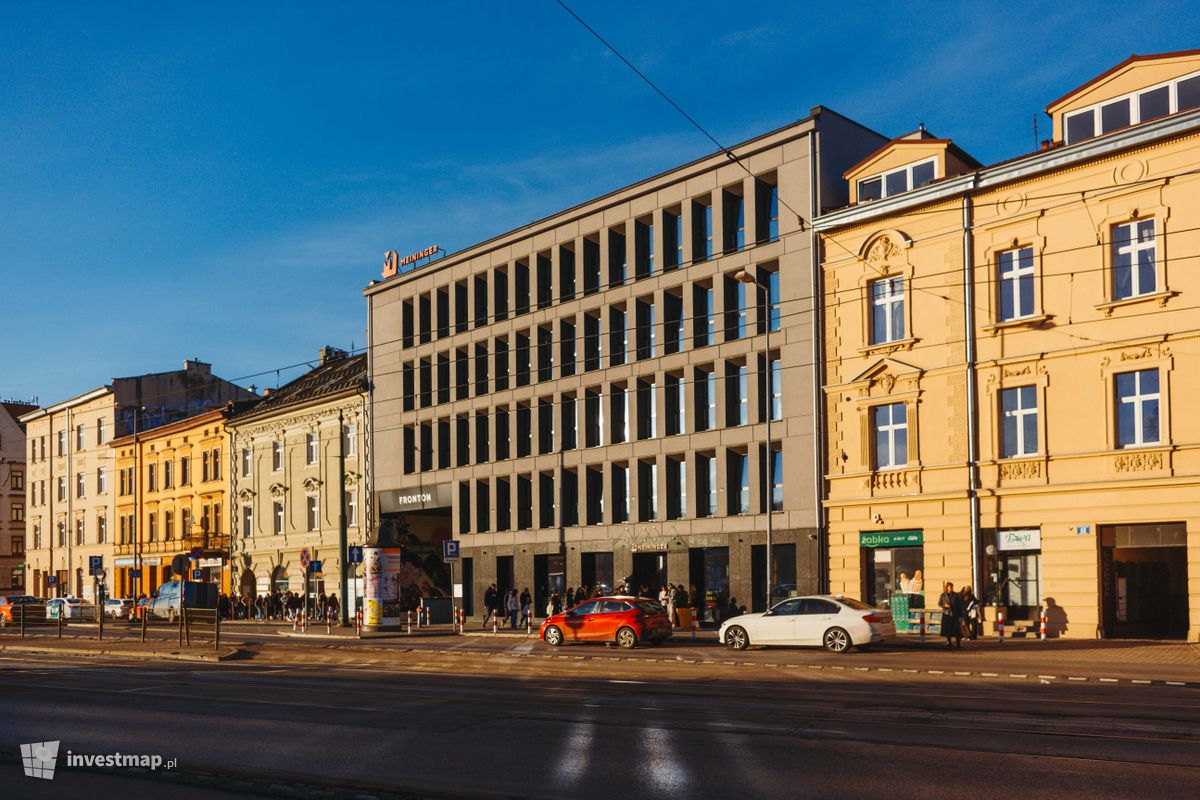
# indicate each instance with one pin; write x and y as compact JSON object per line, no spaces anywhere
{"x":745,"y":277}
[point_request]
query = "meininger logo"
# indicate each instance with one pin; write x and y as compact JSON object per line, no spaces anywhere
{"x":41,"y":758}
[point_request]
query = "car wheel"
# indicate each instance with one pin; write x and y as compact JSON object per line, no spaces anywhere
{"x":626,"y":638}
{"x":836,"y":640}
{"x":553,"y":636}
{"x":736,"y":638}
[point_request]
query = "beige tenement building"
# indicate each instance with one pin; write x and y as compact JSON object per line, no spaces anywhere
{"x":285,"y":483}
{"x":1012,"y":358}
{"x":587,"y":398}
{"x":71,"y":482}
{"x":12,"y":494}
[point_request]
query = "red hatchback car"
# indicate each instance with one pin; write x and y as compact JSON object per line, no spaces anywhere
{"x":624,"y":620}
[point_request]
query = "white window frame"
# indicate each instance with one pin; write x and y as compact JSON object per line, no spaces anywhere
{"x":1135,"y":108}
{"x":276,"y":456}
{"x":351,"y":508}
{"x":101,"y":480}
{"x":743,"y":378}
{"x":1138,"y":400}
{"x":1019,"y":414}
{"x":279,"y":517}
{"x":312,"y":512}
{"x":247,"y":521}
{"x":895,"y":459}
{"x":351,"y":439}
{"x":1134,"y":249}
{"x":883,"y":176}
{"x":775,"y":379}
{"x":247,"y":461}
{"x":1009,"y":279}
{"x":892,"y":305}
{"x":312,"y":448}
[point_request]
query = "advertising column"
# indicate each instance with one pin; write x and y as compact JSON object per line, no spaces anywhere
{"x":381,"y":587}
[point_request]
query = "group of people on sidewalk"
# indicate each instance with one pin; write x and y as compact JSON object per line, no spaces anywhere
{"x":961,"y":616}
{"x":515,"y":610}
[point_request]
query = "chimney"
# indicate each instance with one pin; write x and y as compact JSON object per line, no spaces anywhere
{"x":197,"y":366}
{"x":329,"y":354}
{"x":253,"y":389}
{"x":266,"y":392}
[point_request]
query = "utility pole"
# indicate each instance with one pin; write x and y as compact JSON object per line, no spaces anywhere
{"x":343,"y":549}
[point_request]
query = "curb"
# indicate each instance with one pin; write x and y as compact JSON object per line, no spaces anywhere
{"x":168,"y":655}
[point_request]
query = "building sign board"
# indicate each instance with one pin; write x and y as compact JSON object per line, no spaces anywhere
{"x":425,"y":497}
{"x":392,"y":262}
{"x":1024,"y":539}
{"x":891,"y":538}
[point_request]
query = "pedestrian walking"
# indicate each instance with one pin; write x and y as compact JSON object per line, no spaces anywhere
{"x":489,"y":603}
{"x":972,"y":621}
{"x":511,"y":607}
{"x":333,"y":608}
{"x":526,"y":605}
{"x":951,"y":604}
{"x":672,"y":594}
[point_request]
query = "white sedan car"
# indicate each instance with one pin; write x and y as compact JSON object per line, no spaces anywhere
{"x":835,"y":623}
{"x":65,"y":607}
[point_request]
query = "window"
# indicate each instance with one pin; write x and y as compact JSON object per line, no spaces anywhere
{"x":1143,"y":105}
{"x":738,"y":481}
{"x":1019,"y":422}
{"x":887,"y":310}
{"x":906,"y":178}
{"x":426,"y":446}
{"x":566,"y":273}
{"x":570,"y":426}
{"x":616,"y":256}
{"x":776,"y":479}
{"x":168,"y":525}
{"x":101,"y":432}
{"x":481,"y":435}
{"x":247,"y":520}
{"x":101,"y":481}
{"x":672,"y":323}
{"x":524,"y":359}
{"x":443,"y":443}
{"x":676,"y":487}
{"x":351,"y":444}
{"x":313,"y":512}
{"x":408,"y":385}
{"x":672,"y":240}
{"x":80,"y":485}
{"x":62,"y":443}
{"x":185,"y":471}
{"x":643,"y":248}
{"x":620,"y":493}
{"x":524,"y":502}
{"x":889,"y":425}
{"x":168,"y":474}
{"x":276,"y":456}
{"x":500,"y":291}
{"x":17,"y":512}
{"x":734,"y":220}
{"x":1016,"y":283}
{"x":775,"y":391}
{"x":18,"y":480}
{"x":737,"y":394}
{"x":501,"y":359}
{"x":481,"y":301}
{"x":204,"y":472}
{"x":735,"y":309}
{"x":524,"y":430}
{"x":647,"y":490}
{"x":545,"y":348}
{"x":406,"y":324}
{"x":546,"y":500}
{"x":703,"y":315}
{"x":545,"y":423}
{"x":521,"y":297}
{"x":594,"y":486}
{"x":151,"y":527}
{"x":462,"y":431}
{"x":593,"y":418}
{"x":462,"y":374}
{"x":592,"y":342}
{"x":706,"y":398}
{"x":78,"y":437}
{"x":1137,"y":408}
{"x":1133,"y":259}
{"x":773,"y":314}
{"x":483,"y":507}
{"x":706,"y":484}
{"x":676,"y":403}
{"x":79,"y":530}
{"x":591,"y":265}
{"x":443,"y":378}
{"x":460,"y":307}
{"x":278,"y":516}
{"x":619,"y":399}
{"x":443,"y":313}
{"x":618,"y":336}
{"x":503,"y":505}
{"x":567,"y":350}
{"x":570,"y":498}
{"x":647,"y":409}
{"x":481,"y":369}
{"x":62,"y":489}
{"x":766,"y":211}
{"x":702,"y":230}
{"x":424,"y":318}
{"x":645,"y":333}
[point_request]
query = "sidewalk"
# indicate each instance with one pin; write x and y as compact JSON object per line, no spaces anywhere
{"x":116,"y":649}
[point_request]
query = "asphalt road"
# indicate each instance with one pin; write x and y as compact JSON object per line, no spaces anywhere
{"x":529,"y":728}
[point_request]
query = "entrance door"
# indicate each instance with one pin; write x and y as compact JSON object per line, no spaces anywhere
{"x":650,"y":571}
{"x":1144,"y":580}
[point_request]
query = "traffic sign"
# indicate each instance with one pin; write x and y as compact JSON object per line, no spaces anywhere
{"x":450,"y":550}
{"x":305,"y":557}
{"x":96,"y":565}
{"x":314,"y":567}
{"x":354,"y":554}
{"x":197,"y":574}
{"x":196,"y":552}
{"x":51,"y":580}
{"x":135,"y":573}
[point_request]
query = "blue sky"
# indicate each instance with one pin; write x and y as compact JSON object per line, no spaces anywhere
{"x":220,"y":180}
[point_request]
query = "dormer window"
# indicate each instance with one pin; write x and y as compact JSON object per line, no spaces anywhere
{"x":897,"y":181}
{"x":1181,"y":94}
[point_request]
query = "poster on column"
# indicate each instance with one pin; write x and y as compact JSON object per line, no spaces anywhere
{"x":381,"y":596}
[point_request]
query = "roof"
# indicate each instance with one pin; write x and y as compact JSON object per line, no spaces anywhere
{"x":172,"y":428}
{"x":345,"y":375}
{"x":1112,"y":70}
{"x":17,"y":410}
{"x":912,"y":138}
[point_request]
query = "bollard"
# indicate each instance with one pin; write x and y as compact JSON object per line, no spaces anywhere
{"x":1000,"y":627}
{"x":528,"y":625}
{"x":100,"y":623}
{"x":217,"y":631}
{"x":495,"y":624}
{"x":328,"y":622}
{"x":295,"y":622}
{"x":695,"y":625}
{"x":22,"y":609}
{"x":60,"y":617}
{"x":921,"y":625}
{"x":358,"y":624}
{"x":1042,"y":631}
{"x":143,"y":615}
{"x":408,"y":616}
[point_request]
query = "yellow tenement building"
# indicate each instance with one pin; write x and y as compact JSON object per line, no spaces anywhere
{"x":172,"y":486}
{"x":1011,"y":365}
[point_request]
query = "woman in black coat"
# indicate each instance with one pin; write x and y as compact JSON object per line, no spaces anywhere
{"x":952,"y":611}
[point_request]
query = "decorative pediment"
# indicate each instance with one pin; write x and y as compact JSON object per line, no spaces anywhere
{"x":246,"y":495}
{"x":278,"y":490}
{"x":886,"y":251}
{"x":352,"y":479}
{"x":885,"y":376}
{"x":312,"y":484}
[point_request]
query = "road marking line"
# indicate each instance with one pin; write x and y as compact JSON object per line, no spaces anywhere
{"x":1073,"y":678}
{"x":1135,"y":680}
{"x":935,"y":671}
{"x":1048,"y":677}
{"x":962,"y":673}
{"x":1175,"y":683}
{"x":912,"y":670}
{"x":1017,"y":675}
{"x":884,"y":669}
{"x":1108,"y":680}
{"x":989,"y":675}
{"x":862,"y":669}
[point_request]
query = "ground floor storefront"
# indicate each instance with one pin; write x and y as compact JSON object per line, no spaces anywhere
{"x":717,"y":570}
{"x":1116,"y":564}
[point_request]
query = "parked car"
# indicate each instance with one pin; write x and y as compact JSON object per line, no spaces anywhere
{"x":64,"y":607}
{"x":830,"y":621}
{"x":9,"y":603}
{"x":195,"y":595}
{"x":116,"y":608}
{"x":624,"y":620}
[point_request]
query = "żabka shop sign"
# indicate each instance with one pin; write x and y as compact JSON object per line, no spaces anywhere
{"x":891,"y":539}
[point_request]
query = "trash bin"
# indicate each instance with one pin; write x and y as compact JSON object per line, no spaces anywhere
{"x":685,"y":617}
